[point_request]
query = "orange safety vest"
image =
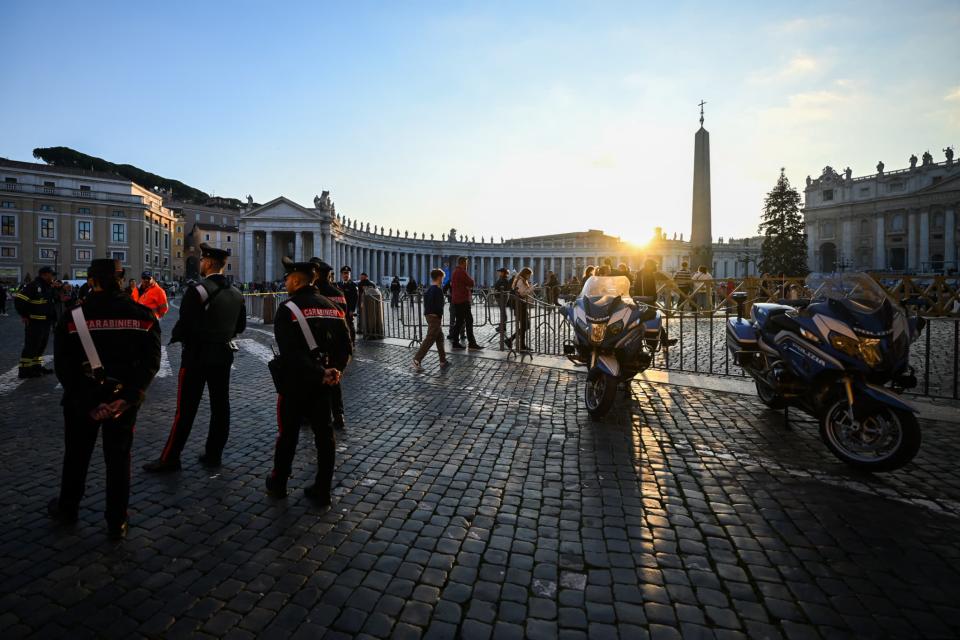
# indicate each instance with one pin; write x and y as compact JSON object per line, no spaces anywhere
{"x":155,"y":299}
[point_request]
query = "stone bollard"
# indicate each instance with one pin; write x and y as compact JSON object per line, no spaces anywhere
{"x":269,"y":307}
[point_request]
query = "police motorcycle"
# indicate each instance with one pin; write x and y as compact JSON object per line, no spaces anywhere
{"x":616,"y":335}
{"x":839,"y":356}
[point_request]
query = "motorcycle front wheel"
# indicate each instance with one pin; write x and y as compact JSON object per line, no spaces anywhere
{"x":599,"y":393}
{"x":768,"y":396}
{"x":879,"y":438}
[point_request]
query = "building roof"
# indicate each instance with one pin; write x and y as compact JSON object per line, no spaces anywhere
{"x":210,"y":226}
{"x":72,"y":171}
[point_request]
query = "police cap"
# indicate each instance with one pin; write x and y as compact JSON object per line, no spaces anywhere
{"x":321,"y":266}
{"x":206,"y":251}
{"x":104,"y":268}
{"x":345,"y":269}
{"x":307,"y":268}
{"x":44,"y":270}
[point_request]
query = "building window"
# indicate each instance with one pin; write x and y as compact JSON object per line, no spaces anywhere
{"x":229,"y":267}
{"x":84,"y":254}
{"x":10,"y":180}
{"x":84,"y":187}
{"x":8,"y":226}
{"x":83,"y":211}
{"x":156,"y":259}
{"x":179,"y":229}
{"x":895,"y":186}
{"x":206,"y":236}
{"x":228,"y":239}
{"x":864,"y":190}
{"x":827,"y":195}
{"x":119,"y":214}
{"x":826,"y":229}
{"x":164,"y":262}
{"x":118,"y":232}
{"x":178,"y":255}
{"x":48,"y":254}
{"x":938,"y":220}
{"x":179,"y":241}
{"x":156,"y":238}
{"x":84,"y":230}
{"x":166,"y":241}
{"x":48,"y":228}
{"x":146,"y":237}
{"x":146,"y":258}
{"x":46,"y":207}
{"x":896,"y":223}
{"x":119,"y":255}
{"x":8,"y":252}
{"x":7,"y":204}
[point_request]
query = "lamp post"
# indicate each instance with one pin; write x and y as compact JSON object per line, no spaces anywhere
{"x":746,"y":259}
{"x":56,"y":263}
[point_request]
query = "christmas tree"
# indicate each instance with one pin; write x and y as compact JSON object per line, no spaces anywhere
{"x":784,"y":251}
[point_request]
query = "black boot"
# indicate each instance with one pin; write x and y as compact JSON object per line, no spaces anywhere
{"x":63,"y":516}
{"x":338,"y":423}
{"x":162,"y":466}
{"x":320,"y":496}
{"x":276,"y":487}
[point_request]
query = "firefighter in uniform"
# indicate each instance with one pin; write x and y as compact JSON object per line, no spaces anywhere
{"x":34,"y":303}
{"x":324,"y":284}
{"x":352,"y":295}
{"x":304,"y":379}
{"x":212,"y":313}
{"x":125,"y":338}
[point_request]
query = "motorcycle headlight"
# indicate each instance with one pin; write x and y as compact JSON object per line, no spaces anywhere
{"x":809,"y":335}
{"x":615,"y":328}
{"x":846,"y":344}
{"x":870,"y":351}
{"x":597,"y":331}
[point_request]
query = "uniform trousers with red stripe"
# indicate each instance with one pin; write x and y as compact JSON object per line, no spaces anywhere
{"x":191,"y":381}
{"x":80,"y":435}
{"x":292,"y":411}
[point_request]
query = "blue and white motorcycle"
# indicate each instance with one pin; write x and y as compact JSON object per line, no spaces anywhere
{"x":616,"y":338}
{"x":840,"y":356}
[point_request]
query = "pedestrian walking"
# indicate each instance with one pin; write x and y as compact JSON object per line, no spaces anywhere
{"x":645,"y":282}
{"x":314,"y":345}
{"x":364,"y":284}
{"x":433,"y":312}
{"x":412,"y":289}
{"x":523,"y":293}
{"x":701,"y":293}
{"x":131,"y":290}
{"x":395,"y":290}
{"x":683,"y":278}
{"x":352,"y":295}
{"x":324,"y":284}
{"x":34,"y":304}
{"x":212,"y":313}
{"x":152,"y":296}
{"x":502,"y":290}
{"x":461,"y":290}
{"x":106,"y":353}
{"x":551,"y":288}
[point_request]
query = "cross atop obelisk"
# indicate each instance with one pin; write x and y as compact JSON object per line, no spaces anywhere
{"x":702,"y":102}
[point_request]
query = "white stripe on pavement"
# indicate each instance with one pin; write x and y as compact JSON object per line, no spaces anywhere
{"x":164,"y":370}
{"x":10,"y":381}
{"x":260,"y":351}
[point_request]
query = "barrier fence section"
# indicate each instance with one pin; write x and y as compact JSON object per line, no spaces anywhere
{"x":503,"y":321}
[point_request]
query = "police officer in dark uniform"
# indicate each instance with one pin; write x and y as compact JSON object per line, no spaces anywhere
{"x":125,"y":337}
{"x":302,"y":373}
{"x":212,"y":313}
{"x":324,"y":284}
{"x":352,"y":295}
{"x":34,"y":303}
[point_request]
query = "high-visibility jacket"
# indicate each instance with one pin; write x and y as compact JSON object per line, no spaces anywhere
{"x":155,"y":299}
{"x":33,"y":301}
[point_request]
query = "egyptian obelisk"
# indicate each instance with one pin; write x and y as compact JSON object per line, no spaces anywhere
{"x":701,"y":238}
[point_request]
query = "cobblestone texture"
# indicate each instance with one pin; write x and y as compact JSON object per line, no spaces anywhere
{"x":480,"y":502}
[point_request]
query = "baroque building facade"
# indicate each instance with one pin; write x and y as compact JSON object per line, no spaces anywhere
{"x":896,"y":221}
{"x":283,"y":227}
{"x":63,"y":218}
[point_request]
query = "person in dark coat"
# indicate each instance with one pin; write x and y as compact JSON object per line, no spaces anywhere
{"x":395,"y":290}
{"x":352,"y":296}
{"x":324,"y":284}
{"x":305,"y":375}
{"x":212,"y":313}
{"x":502,"y":289}
{"x":34,"y":303}
{"x":105,"y":395}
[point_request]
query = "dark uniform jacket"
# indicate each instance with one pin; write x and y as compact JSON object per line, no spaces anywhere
{"x":206,"y":328}
{"x":35,"y":301}
{"x":351,"y":293}
{"x":329,"y":329}
{"x":127,"y":338}
{"x":332,"y":293}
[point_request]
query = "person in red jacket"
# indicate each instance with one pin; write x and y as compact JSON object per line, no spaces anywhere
{"x":152,"y":295}
{"x":461,"y":290}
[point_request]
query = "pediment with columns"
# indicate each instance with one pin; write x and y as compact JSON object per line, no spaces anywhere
{"x":285,"y":209}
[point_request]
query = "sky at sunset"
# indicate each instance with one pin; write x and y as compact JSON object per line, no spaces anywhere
{"x":507,"y":119}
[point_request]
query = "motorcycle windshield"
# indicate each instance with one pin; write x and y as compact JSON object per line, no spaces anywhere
{"x":606,"y":288}
{"x":857,"y":291}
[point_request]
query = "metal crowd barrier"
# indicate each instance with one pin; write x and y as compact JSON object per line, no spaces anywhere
{"x":700,"y":333}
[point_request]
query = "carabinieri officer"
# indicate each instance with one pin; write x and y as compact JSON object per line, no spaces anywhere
{"x":325,"y":286}
{"x":106,"y":352}
{"x":211,"y":315}
{"x":306,"y":372}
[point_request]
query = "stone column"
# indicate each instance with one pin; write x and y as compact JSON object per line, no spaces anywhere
{"x":923,"y":256}
{"x":298,"y":247}
{"x":913,"y":261}
{"x":879,"y":244}
{"x":846,"y":227}
{"x":248,"y":256}
{"x":950,"y":238}
{"x":268,"y":257}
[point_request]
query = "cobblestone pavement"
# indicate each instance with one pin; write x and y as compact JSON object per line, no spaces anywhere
{"x":480,"y":502}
